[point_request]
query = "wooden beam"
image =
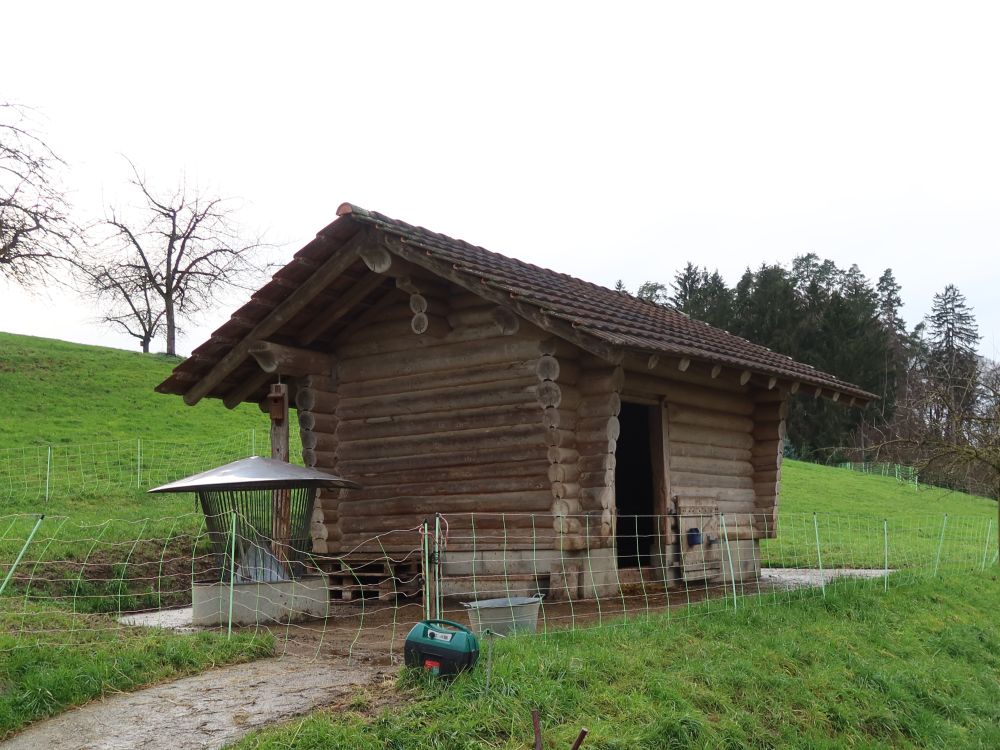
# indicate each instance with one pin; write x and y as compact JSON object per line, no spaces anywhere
{"x":345,"y":304}
{"x":684,"y":364}
{"x":377,"y":259}
{"x":406,"y":284}
{"x":773,"y":381}
{"x":795,"y":387}
{"x":716,"y":371}
{"x":290,"y":360}
{"x":281,"y":508}
{"x":246,"y":389}
{"x":339,"y":262}
{"x":277,"y":406}
{"x":654,"y":360}
{"x":507,"y":322}
{"x":745,"y":377}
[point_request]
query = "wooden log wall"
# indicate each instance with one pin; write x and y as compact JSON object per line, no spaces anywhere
{"x":597,"y":431}
{"x":461,"y":416}
{"x":768,"y":450}
{"x":710,"y":450}
{"x":711,"y":438}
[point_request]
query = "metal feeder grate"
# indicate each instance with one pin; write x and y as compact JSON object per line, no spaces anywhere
{"x":270,"y":504}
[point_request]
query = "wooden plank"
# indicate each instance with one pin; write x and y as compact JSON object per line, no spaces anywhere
{"x":464,"y":375}
{"x":709,"y":418}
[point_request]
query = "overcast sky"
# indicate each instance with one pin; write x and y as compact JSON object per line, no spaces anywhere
{"x":606,"y":141}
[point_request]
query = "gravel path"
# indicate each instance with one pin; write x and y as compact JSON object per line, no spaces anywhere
{"x":797,"y":578}
{"x":208,"y":710}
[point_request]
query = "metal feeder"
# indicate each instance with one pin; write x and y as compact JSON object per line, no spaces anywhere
{"x":269,"y":505}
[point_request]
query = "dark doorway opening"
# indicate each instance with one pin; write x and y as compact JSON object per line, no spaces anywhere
{"x":634,"y":495}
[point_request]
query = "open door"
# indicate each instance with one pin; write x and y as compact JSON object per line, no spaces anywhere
{"x":636,"y":541}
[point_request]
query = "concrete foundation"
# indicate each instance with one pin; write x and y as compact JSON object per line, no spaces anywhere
{"x":260,"y":603}
{"x":574,"y":575}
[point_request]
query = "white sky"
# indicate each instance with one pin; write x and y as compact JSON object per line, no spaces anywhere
{"x":606,"y":141}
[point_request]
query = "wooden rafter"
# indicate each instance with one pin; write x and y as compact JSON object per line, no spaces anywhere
{"x":281,"y":314}
{"x":345,"y":304}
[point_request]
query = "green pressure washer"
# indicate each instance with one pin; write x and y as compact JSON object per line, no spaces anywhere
{"x":441,"y":647}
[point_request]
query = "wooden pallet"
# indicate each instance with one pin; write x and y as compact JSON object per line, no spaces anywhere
{"x":361,"y":578}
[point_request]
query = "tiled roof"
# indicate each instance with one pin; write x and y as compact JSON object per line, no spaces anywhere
{"x":617,"y":318}
{"x":614,"y":319}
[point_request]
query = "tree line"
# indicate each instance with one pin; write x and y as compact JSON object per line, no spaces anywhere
{"x":148,"y":266}
{"x":939,"y":401}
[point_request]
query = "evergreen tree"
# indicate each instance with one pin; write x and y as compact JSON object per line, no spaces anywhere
{"x":953,"y":364}
{"x":703,"y":296}
{"x":900,"y":346}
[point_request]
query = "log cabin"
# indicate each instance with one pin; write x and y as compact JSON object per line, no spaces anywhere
{"x":594,"y":427}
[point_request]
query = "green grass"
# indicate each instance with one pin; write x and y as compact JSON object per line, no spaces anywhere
{"x":852,"y":510}
{"x":812,"y":488}
{"x":93,"y":405}
{"x":51,"y":660}
{"x":916,"y":667}
{"x":57,"y":392}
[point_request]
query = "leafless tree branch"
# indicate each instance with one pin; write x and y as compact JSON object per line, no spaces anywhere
{"x":169,"y":259}
{"x":36,"y":232}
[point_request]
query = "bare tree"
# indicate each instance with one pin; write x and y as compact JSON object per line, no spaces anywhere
{"x":129,"y":299}
{"x":962,"y":452}
{"x":168,"y":259}
{"x":35,"y":229}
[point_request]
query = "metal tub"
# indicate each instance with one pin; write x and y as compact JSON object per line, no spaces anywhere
{"x":506,"y":615}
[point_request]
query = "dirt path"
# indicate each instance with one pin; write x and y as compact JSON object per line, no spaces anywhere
{"x":208,"y":710}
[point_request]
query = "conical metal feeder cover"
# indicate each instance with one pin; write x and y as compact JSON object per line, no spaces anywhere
{"x":270,"y":504}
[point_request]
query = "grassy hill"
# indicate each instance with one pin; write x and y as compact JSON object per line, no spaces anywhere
{"x":58,"y":392}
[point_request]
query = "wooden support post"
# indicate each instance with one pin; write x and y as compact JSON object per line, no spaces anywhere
{"x":277,"y":401}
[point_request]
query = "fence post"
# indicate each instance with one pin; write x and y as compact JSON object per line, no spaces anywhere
{"x":819,"y":555}
{"x":48,"y":473}
{"x":729,"y":554}
{"x":138,"y":463}
{"x":986,"y":549}
{"x":232,"y":576}
{"x":17,"y":560}
{"x":885,"y":536}
{"x":937,"y":559}
{"x":437,"y":566}
{"x":425,"y":564}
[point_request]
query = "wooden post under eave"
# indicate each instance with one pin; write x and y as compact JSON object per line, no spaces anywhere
{"x":277,"y":402}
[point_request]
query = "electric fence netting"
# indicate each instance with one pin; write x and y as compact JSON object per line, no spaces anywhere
{"x":37,"y":472}
{"x":64,"y":583}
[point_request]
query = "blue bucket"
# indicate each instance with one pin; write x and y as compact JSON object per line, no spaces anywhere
{"x":693,"y":537}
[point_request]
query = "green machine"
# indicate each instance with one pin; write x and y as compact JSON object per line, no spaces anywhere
{"x":441,"y":647}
